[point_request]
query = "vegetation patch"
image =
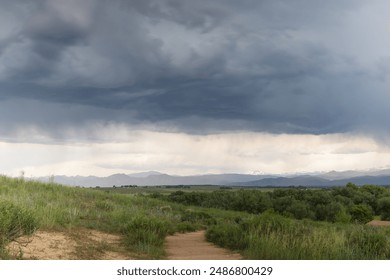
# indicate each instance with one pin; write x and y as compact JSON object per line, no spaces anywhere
{"x":147,"y":234}
{"x":14,"y":222}
{"x":343,"y":204}
{"x":272,"y":236}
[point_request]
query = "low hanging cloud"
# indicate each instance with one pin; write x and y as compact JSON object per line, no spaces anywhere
{"x":128,"y":151}
{"x":198,"y":67}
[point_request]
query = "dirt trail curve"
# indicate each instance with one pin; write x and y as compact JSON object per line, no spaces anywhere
{"x":193,"y":246}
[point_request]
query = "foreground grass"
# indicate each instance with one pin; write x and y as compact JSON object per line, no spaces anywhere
{"x":271,"y":236}
{"x":143,"y":222}
{"x":14,"y":222}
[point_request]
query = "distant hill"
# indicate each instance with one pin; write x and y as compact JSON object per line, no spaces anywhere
{"x":334,"y":175}
{"x":144,"y":174}
{"x":314,"y":181}
{"x":285,"y":182}
{"x":154,"y":178}
{"x":366,"y":180}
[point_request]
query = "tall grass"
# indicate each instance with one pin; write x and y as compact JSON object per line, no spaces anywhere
{"x":271,"y":236}
{"x":147,"y":234}
{"x":14,"y":222}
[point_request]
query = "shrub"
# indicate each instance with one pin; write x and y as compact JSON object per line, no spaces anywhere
{"x":14,"y":222}
{"x":384,"y":208}
{"x":328,"y":212}
{"x":300,"y":210}
{"x":361,"y":213}
{"x":186,"y":227}
{"x":343,"y":217}
{"x":146,"y":234}
{"x":197,"y":217}
{"x":228,"y":235}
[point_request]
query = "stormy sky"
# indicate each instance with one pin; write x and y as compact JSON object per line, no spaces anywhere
{"x":96,"y":87}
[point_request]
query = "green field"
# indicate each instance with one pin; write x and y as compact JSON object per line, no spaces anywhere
{"x":272,"y":224}
{"x":143,"y":222}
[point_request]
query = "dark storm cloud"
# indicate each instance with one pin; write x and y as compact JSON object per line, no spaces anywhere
{"x":195,"y":66}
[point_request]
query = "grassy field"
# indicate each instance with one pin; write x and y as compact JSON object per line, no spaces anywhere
{"x":143,"y":222}
{"x":144,"y":219}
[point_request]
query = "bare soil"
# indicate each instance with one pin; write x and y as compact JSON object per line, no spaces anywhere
{"x":193,"y":246}
{"x":79,"y":244}
{"x":379,"y":223}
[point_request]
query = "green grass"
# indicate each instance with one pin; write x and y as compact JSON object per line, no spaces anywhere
{"x":143,"y":222}
{"x":15,"y":221}
{"x":58,"y":207}
{"x":271,"y":236}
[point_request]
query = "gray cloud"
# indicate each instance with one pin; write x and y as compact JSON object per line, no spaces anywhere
{"x":196,"y":66}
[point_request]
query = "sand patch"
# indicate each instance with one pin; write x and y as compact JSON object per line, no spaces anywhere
{"x":70,"y":245}
{"x":43,"y":246}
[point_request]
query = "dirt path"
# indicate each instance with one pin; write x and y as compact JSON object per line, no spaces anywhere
{"x":379,"y":223}
{"x":78,"y":244}
{"x":193,"y":246}
{"x":86,"y":244}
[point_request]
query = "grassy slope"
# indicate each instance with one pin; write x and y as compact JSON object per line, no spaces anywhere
{"x":144,"y":222}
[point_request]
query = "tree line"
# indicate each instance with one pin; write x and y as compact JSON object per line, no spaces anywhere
{"x":340,"y":204}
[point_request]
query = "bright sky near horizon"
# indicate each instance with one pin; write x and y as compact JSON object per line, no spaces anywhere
{"x":185,"y":87}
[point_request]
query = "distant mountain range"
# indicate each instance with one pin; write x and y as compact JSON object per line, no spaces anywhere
{"x":315,"y":181}
{"x":154,"y":178}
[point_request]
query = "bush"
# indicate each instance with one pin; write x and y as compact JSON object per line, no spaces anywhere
{"x":14,"y":222}
{"x":197,"y":217}
{"x":186,"y":227}
{"x":300,"y":210}
{"x":361,"y":213}
{"x":328,"y":212}
{"x":228,"y":235}
{"x":384,"y":208}
{"x":147,"y":234}
{"x":343,"y":217}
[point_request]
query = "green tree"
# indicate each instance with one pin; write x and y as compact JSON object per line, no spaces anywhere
{"x":343,"y":217}
{"x":361,"y":213}
{"x":384,"y":208}
{"x":300,"y":210}
{"x":327,"y":212}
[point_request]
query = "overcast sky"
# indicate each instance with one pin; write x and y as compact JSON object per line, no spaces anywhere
{"x":97,"y":87}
